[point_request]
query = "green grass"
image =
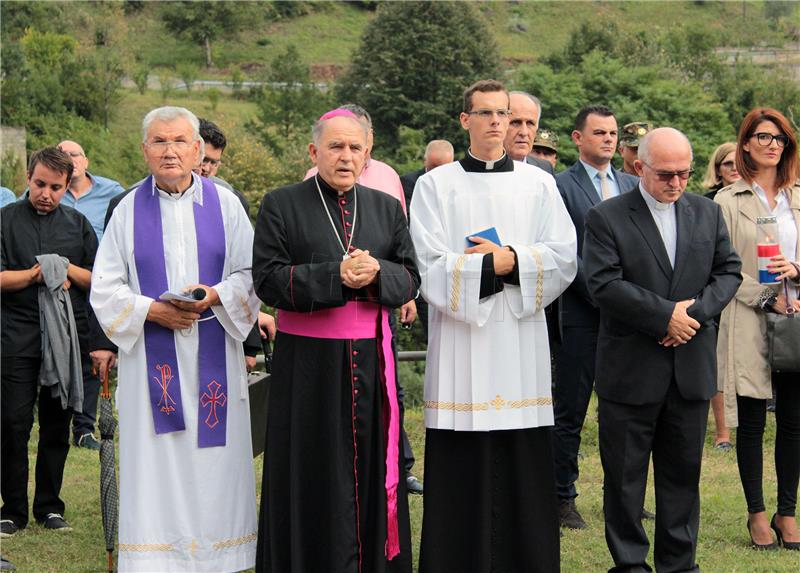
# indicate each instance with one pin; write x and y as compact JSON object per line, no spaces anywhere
{"x":524,"y":30}
{"x":723,"y":546}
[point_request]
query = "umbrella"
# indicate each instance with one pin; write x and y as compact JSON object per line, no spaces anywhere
{"x":109,"y":496}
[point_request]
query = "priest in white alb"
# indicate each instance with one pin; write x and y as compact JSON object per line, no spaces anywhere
{"x":495,"y":245}
{"x":172,"y":288}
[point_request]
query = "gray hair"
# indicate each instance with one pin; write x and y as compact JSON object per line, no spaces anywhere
{"x":531,"y":97}
{"x":644,"y":142}
{"x":358,"y":111}
{"x":171,"y":113}
{"x":319,"y":127}
{"x":441,"y":145}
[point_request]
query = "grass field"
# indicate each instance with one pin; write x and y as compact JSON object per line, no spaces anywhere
{"x":723,"y":544}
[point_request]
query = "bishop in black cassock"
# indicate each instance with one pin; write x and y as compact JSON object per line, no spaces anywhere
{"x":325,"y":497}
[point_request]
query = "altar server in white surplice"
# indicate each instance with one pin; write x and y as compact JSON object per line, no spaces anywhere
{"x":490,"y":502}
{"x":187,"y":491}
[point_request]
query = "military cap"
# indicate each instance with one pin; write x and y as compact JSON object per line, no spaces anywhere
{"x":633,"y":132}
{"x":546,"y":138}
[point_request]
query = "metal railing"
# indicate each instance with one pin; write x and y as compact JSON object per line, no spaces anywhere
{"x":403,"y":356}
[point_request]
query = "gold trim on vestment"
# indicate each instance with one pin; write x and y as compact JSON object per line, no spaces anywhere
{"x":246,"y":308}
{"x":455,"y":293}
{"x":498,"y":403}
{"x":457,"y":406}
{"x":539,"y":278}
{"x":126,"y":312}
{"x":228,"y":543}
{"x":146,"y":547}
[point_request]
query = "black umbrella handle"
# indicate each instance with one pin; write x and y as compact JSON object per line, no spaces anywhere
{"x":266,"y":346}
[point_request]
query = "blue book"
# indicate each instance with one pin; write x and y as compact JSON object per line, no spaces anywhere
{"x":490,"y":233}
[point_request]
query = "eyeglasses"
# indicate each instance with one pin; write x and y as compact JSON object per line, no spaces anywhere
{"x":728,"y":164}
{"x":765,"y":139}
{"x":489,"y":113}
{"x":160,"y":147}
{"x":666,"y":176}
{"x":211,"y":162}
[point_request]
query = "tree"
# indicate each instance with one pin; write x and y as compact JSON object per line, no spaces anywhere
{"x":288,"y":103}
{"x":204,"y":22}
{"x":635,"y":93}
{"x":414,"y":62}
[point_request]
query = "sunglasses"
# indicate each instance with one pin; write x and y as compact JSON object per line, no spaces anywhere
{"x":666,"y":176}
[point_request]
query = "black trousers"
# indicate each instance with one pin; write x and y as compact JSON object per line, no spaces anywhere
{"x":83,"y":422}
{"x":20,"y":387}
{"x":489,"y":503}
{"x":575,"y":358}
{"x":673,"y":430}
{"x":407,"y":453}
{"x":750,"y":444}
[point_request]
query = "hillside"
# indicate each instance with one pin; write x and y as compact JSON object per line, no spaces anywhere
{"x":524,"y":30}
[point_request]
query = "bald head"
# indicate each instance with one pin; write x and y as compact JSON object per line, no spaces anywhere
{"x":663,"y":138}
{"x":79,"y":160}
{"x":664,"y":164}
{"x":438,"y":152}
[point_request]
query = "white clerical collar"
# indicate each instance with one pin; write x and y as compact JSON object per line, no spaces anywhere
{"x":195,"y":189}
{"x":489,"y":164}
{"x":652,"y":202}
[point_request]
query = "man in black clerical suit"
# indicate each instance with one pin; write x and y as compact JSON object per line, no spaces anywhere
{"x":334,"y":257}
{"x":581,"y":187}
{"x":660,"y":266}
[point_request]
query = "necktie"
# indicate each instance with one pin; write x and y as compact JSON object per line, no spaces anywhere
{"x":605,"y":188}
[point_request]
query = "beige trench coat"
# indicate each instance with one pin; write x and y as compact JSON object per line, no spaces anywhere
{"x":742,"y":365}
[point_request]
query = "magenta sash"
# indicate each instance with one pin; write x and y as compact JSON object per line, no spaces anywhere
{"x":353,"y":321}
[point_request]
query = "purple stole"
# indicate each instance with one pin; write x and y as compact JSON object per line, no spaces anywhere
{"x":163,"y":376}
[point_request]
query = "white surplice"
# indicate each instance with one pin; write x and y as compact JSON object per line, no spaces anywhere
{"x":182,"y":508}
{"x":488,"y":363}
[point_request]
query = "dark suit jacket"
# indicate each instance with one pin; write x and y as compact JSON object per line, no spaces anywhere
{"x":540,"y":163}
{"x":630,"y":278}
{"x":408,"y":181}
{"x":580,"y":195}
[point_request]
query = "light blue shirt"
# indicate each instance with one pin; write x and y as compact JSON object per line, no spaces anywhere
{"x":664,"y":217}
{"x":94,"y":204}
{"x":594,"y":177}
{"x":6,"y":196}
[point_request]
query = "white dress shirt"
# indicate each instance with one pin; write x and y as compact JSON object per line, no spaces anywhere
{"x":664,"y":216}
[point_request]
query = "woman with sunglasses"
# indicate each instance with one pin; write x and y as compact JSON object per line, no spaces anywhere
{"x":720,"y":173}
{"x":766,"y":159}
